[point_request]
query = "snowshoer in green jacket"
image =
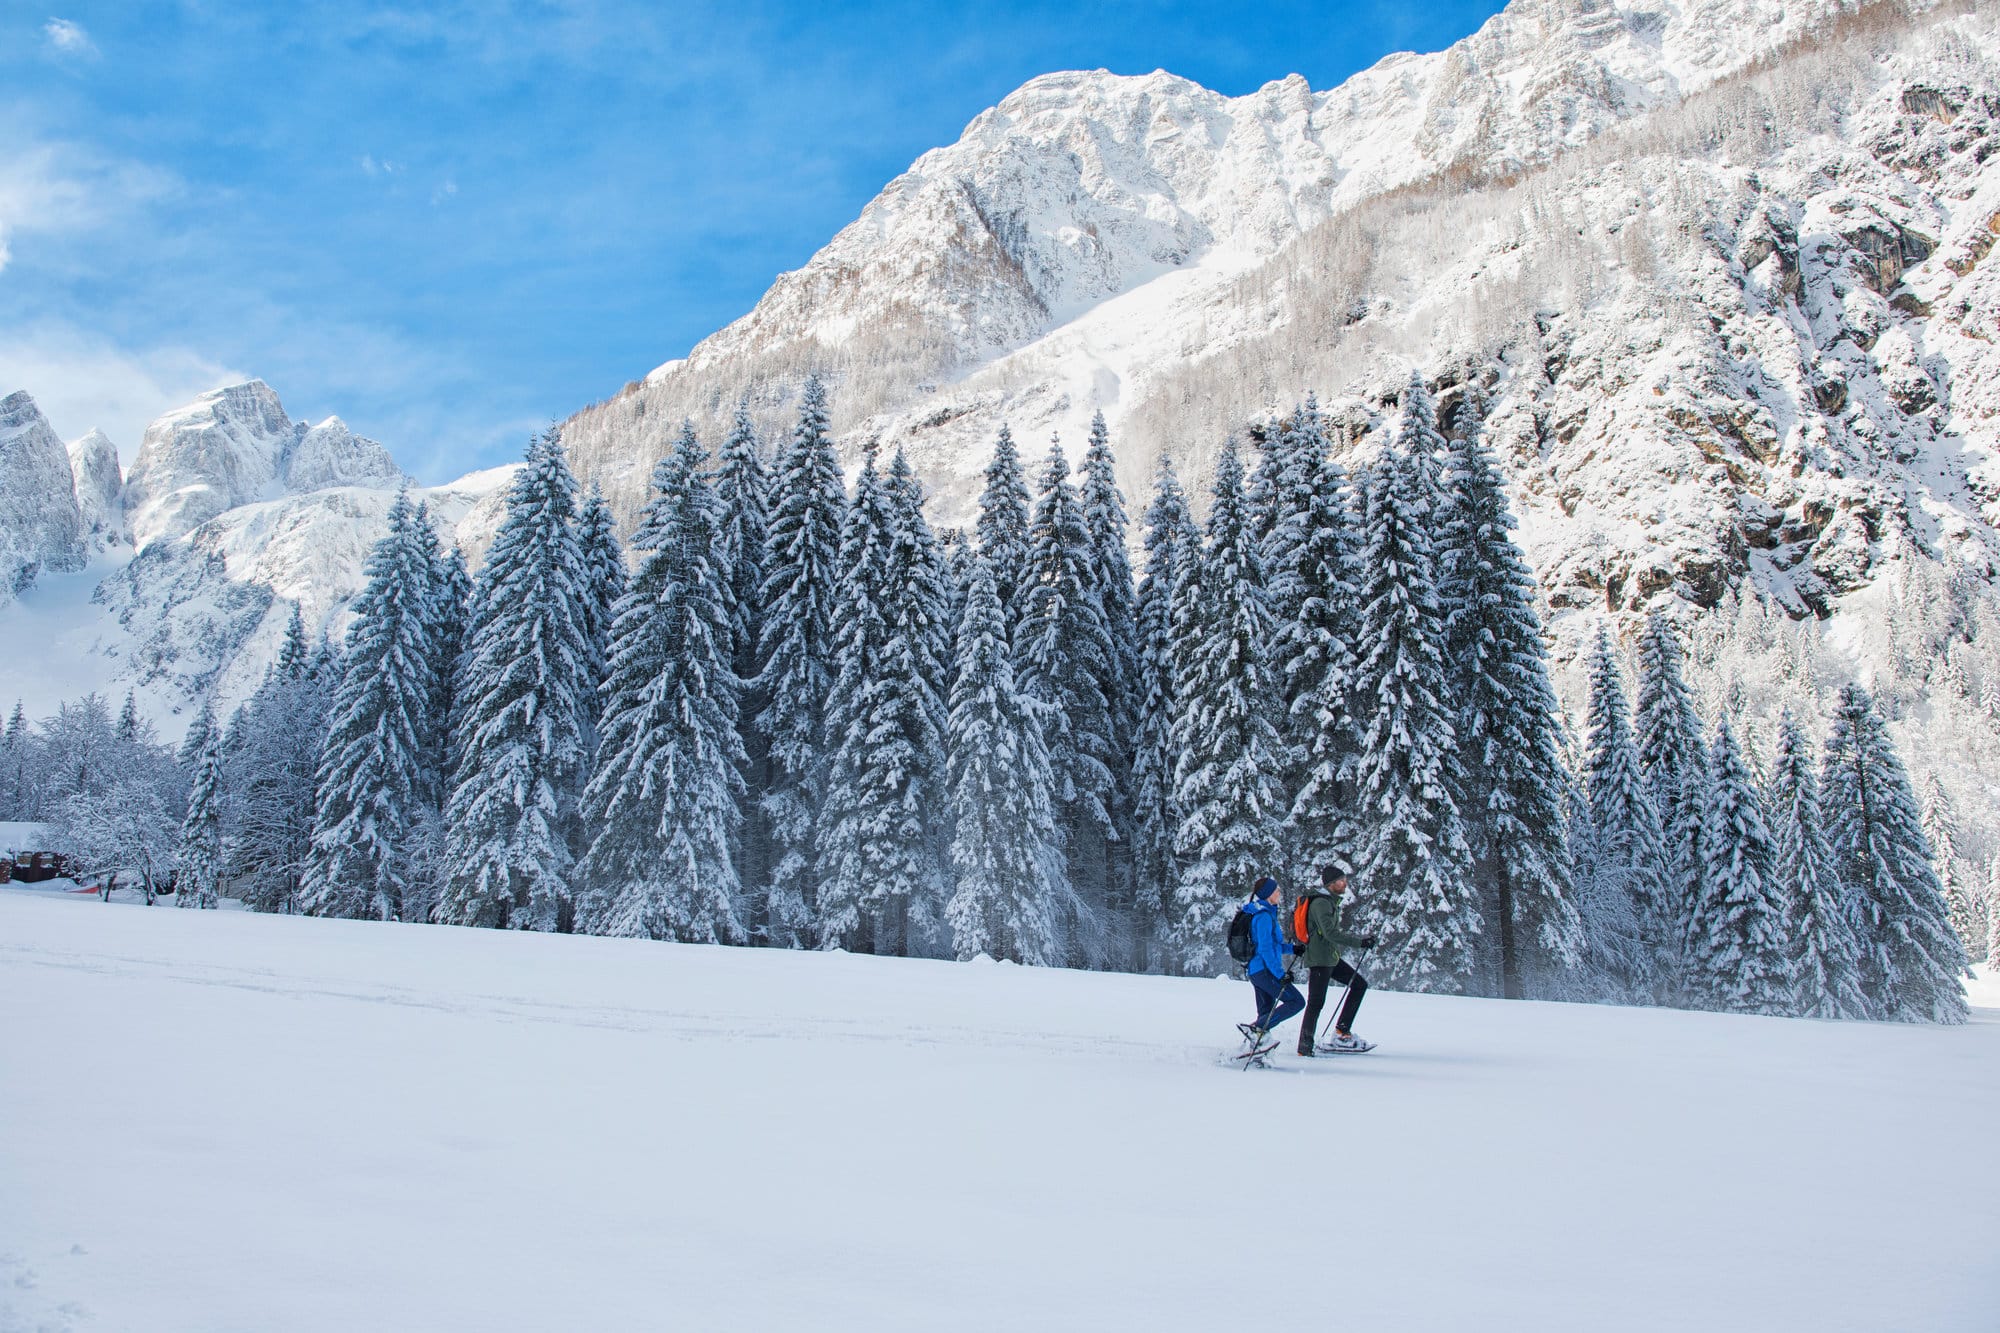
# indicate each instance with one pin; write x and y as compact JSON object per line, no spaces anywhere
{"x":1321,"y":951}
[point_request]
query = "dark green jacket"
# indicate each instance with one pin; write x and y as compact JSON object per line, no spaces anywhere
{"x":1324,"y":938}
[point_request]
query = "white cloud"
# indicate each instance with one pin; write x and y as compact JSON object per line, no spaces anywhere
{"x":67,"y":38}
{"x":81,"y":380}
{"x":379,"y":166}
{"x":66,"y":189}
{"x":444,"y":192}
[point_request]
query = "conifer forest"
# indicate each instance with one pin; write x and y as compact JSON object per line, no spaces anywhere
{"x":788,"y":712}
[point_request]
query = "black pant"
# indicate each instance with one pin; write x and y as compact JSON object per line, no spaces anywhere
{"x":1316,"y":979}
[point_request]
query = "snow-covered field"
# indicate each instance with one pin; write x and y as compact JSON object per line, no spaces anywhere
{"x":220,"y":1121}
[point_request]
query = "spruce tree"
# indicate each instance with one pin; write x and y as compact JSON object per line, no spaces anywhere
{"x":1675,"y":762}
{"x":1008,"y":898}
{"x":376,"y":769}
{"x":272,"y":751}
{"x":1940,"y":825}
{"x":129,"y":727}
{"x":1911,"y":960}
{"x":1740,"y":952}
{"x":1315,"y":554}
{"x":14,"y":760}
{"x":523,"y":734}
{"x":1993,"y":913}
{"x":882,"y":875}
{"x":604,"y":582}
{"x":1111,"y":570}
{"x":1228,"y":782}
{"x":1632,"y":937}
{"x":451,"y":594}
{"x":1412,"y":862}
{"x":743,"y":489}
{"x":1506,"y":727}
{"x":801,"y":590}
{"x":1002,"y":529}
{"x":958,"y":556}
{"x":919,"y":661}
{"x":1170,"y":540}
{"x":1062,"y":657}
{"x":1825,"y":960}
{"x":663,"y":801}
{"x":198,"y":857}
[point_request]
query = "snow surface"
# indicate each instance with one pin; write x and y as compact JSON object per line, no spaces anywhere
{"x":227,"y":1121}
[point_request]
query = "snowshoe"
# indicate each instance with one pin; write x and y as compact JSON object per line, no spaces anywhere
{"x":1255,"y":1057}
{"x":1346,"y":1046}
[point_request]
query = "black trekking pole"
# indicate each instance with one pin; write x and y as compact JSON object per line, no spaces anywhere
{"x":1335,"y":1013}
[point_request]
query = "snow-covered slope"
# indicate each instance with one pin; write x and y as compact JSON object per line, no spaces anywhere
{"x":675,"y":1136}
{"x":40,"y":526}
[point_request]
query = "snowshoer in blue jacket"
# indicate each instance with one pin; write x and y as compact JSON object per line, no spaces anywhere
{"x":1270,"y":971}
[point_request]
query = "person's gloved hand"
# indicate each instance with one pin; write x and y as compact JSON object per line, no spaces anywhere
{"x":1367,"y":942}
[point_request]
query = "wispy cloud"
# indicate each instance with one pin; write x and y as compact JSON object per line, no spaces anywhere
{"x":67,"y":39}
{"x":444,"y":191}
{"x":372,"y":165}
{"x":82,"y":380}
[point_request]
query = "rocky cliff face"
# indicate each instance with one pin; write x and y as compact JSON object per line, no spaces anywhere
{"x":40,"y":526}
{"x":237,"y":446}
{"x":93,"y":465}
{"x":1113,"y":209}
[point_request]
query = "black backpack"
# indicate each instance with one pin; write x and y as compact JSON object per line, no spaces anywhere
{"x":1242,"y":945}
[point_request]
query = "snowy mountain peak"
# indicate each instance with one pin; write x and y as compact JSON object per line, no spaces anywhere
{"x":236,"y":445}
{"x":93,"y":465}
{"x":40,"y":526}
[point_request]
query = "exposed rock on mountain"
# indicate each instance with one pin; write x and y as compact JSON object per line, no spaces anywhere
{"x":93,"y":463}
{"x":40,"y":526}
{"x":236,"y":446}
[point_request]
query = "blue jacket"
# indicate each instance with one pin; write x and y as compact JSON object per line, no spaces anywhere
{"x":1269,"y":938}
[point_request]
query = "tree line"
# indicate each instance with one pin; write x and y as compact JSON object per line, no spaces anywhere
{"x":799,"y":716}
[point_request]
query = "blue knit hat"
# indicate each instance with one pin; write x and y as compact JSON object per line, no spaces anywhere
{"x":1265,"y":888}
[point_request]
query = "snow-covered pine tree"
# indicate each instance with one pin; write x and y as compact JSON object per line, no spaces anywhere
{"x":1170,"y":538}
{"x":1506,"y":728}
{"x":743,"y":488}
{"x":1631,"y":938}
{"x":1675,"y":761}
{"x":1007,"y":900}
{"x":1315,"y":577}
{"x":1421,"y":441}
{"x":1111,"y":570}
{"x":1825,"y":961}
{"x":451,"y":596}
{"x":375,"y":770}
{"x":1911,"y":959}
{"x":272,"y":754}
{"x":958,"y":555}
{"x":604,"y":583}
{"x":130,"y":727}
{"x":1740,"y":954}
{"x":13,"y":765}
{"x":1002,"y":528}
{"x":295,"y":653}
{"x":196,"y":740}
{"x":198,"y":856}
{"x":1940,"y":825}
{"x":664,"y":800}
{"x":1412,"y":862}
{"x":1228,"y":785}
{"x":856,"y":821}
{"x":801,"y":590}
{"x":920,"y":661}
{"x":1062,"y":657}
{"x":1993,"y":912}
{"x":522,"y":736}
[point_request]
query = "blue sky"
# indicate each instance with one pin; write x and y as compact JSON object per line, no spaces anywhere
{"x":450,"y":223}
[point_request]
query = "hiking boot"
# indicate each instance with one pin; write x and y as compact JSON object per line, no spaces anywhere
{"x":1306,"y":1050}
{"x":1347,"y":1041}
{"x":1252,"y":1033}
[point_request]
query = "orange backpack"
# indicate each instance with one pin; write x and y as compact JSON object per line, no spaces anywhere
{"x":1299,"y":911}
